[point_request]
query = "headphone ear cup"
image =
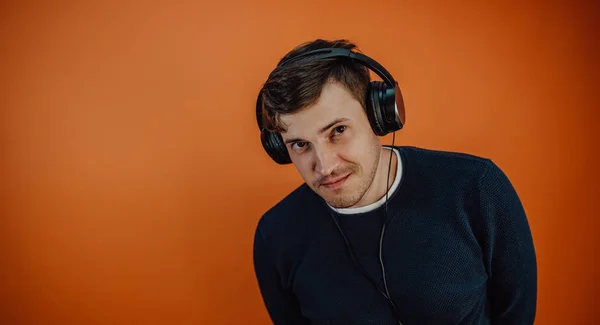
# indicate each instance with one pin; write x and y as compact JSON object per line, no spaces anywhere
{"x":392,"y":108}
{"x":271,"y":142}
{"x":374,"y":109}
{"x":275,"y":148}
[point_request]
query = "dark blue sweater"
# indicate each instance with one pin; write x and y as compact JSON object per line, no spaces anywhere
{"x":457,"y":250}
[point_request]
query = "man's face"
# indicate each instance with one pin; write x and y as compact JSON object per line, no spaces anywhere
{"x":333,"y":147}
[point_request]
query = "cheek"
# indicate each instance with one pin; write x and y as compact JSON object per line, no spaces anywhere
{"x":359,"y":150}
{"x":304,"y":167}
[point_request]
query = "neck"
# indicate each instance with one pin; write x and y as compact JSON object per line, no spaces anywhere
{"x":384,"y":178}
{"x":381,"y":182}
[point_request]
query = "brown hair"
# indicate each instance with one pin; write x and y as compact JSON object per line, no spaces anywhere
{"x":289,"y":89}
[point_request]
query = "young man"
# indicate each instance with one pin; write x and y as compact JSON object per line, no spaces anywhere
{"x":381,"y":234}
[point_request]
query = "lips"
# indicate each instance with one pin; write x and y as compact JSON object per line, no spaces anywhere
{"x":336,"y":183}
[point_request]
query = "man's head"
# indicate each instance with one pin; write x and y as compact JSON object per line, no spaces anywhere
{"x":319,"y":109}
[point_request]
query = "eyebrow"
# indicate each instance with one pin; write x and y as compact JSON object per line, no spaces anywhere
{"x":323,"y":129}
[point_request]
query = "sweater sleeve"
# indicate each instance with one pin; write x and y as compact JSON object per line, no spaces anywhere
{"x":509,"y":251}
{"x":279,"y":302}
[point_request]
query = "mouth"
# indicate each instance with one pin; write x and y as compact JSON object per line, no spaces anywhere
{"x":335,"y":184}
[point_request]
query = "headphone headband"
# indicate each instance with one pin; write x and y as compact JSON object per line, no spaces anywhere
{"x":342,"y":52}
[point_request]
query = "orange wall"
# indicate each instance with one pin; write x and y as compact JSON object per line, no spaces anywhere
{"x":124,"y":197}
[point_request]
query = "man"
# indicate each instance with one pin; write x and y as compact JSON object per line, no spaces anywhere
{"x":381,"y":234}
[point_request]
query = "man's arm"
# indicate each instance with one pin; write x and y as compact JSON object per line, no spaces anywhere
{"x":510,"y":253}
{"x":280,"y":303}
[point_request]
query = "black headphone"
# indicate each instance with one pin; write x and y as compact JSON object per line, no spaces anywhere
{"x":384,"y":103}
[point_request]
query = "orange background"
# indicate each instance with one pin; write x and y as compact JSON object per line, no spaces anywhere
{"x":133,"y":176}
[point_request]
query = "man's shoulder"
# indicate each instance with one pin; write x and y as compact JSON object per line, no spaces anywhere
{"x":435,"y":155}
{"x":439,"y":159}
{"x":289,"y":212}
{"x":290,"y":202}
{"x":445,"y":169}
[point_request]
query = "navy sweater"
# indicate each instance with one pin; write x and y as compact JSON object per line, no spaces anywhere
{"x":457,"y":250}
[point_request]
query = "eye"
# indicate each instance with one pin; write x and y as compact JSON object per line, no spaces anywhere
{"x":299,"y":145}
{"x":339,"y":129}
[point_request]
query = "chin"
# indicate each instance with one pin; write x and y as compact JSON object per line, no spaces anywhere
{"x":340,"y":201}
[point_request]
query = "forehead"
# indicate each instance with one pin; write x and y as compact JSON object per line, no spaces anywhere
{"x":334,"y":103}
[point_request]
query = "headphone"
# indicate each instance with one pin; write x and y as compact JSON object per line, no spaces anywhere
{"x":384,"y":102}
{"x":386,"y":113}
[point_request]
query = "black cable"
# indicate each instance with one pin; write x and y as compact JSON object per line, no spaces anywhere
{"x":385,"y":220}
{"x":353,"y":257}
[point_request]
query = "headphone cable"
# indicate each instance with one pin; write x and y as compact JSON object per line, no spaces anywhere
{"x":385,"y":220}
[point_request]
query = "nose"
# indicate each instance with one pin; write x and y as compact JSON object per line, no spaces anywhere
{"x":326,"y":161}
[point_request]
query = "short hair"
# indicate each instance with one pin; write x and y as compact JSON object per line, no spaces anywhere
{"x":289,"y":89}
